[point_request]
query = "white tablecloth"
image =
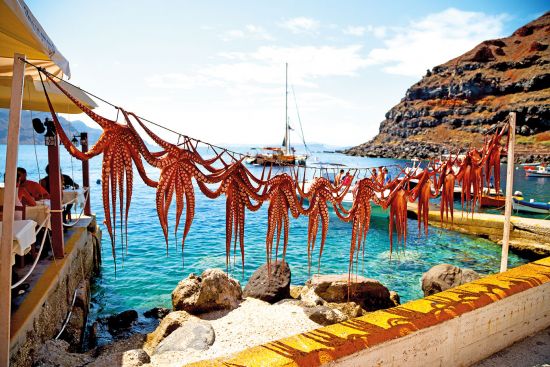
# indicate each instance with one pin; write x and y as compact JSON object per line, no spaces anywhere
{"x":73,"y":194}
{"x":39,"y":212}
{"x":23,"y":237}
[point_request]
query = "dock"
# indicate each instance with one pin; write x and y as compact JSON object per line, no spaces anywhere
{"x":529,"y":237}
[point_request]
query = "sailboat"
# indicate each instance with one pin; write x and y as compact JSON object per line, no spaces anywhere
{"x":284,"y":155}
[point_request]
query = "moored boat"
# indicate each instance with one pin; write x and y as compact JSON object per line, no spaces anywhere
{"x":540,"y":171}
{"x":531,"y":206}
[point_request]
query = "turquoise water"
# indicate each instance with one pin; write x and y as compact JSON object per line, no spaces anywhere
{"x":147,"y":275}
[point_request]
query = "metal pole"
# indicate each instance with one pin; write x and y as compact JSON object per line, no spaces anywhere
{"x":56,"y":217}
{"x":10,"y":191}
{"x":509,"y":191}
{"x":86,"y":173}
{"x":287,"y":143}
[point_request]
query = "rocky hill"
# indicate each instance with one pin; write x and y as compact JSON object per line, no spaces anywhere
{"x":26,"y":130}
{"x":456,"y":103}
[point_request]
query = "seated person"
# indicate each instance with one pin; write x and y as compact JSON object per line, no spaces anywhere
{"x":33,"y":188}
{"x":23,"y":195}
{"x":338,"y":178}
{"x":66,"y":183}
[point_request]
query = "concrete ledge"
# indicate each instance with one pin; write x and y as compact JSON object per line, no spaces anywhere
{"x":456,"y":327}
{"x":529,"y":237}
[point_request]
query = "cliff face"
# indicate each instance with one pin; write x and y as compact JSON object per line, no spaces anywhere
{"x":457,"y":102}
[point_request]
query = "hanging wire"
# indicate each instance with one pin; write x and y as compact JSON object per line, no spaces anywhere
{"x":33,"y":135}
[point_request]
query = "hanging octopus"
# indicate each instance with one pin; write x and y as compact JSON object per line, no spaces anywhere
{"x":178,"y":167}
{"x":320,"y":192}
{"x":493,"y":150}
{"x":423,"y":192}
{"x":470,"y":179}
{"x":359,"y":215}
{"x":446,"y":185}
{"x":240,"y":193}
{"x":119,"y":146}
{"x":282,"y":199}
{"x":397,"y":202}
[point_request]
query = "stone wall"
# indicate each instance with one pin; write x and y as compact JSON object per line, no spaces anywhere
{"x":41,"y":315}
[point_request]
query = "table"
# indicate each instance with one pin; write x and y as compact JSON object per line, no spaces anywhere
{"x":76,"y":196}
{"x":24,"y":236}
{"x":39,"y":213}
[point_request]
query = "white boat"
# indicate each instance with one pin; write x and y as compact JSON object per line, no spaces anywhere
{"x":540,"y":171}
{"x":530,"y":206}
{"x":276,"y":156}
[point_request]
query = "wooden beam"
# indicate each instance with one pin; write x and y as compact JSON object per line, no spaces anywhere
{"x":86,"y":172}
{"x":56,"y":197}
{"x":10,"y":190}
{"x":509,"y":191}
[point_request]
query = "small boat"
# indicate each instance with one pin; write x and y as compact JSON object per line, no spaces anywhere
{"x":530,"y":164}
{"x":530,"y":206}
{"x":276,"y":156}
{"x":491,"y":201}
{"x":540,"y":171}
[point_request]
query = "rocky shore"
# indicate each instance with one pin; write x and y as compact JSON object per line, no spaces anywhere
{"x":211,"y":318}
{"x":457,"y":103}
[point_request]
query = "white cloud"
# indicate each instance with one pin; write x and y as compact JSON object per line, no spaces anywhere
{"x":250,"y":31}
{"x":265,"y":66}
{"x":433,"y":40}
{"x":354,"y":30}
{"x":377,"y":31}
{"x":301,"y":25}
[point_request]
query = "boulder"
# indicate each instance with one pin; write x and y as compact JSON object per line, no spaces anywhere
{"x":370,"y":294}
{"x":157,"y":312}
{"x":444,"y":276}
{"x":169,"y":324}
{"x":324,"y":315}
{"x":295,"y":291}
{"x":123,"y":320}
{"x":213,"y":290}
{"x":271,"y":287}
{"x":54,"y":353}
{"x":195,"y":334}
{"x":135,"y":358}
{"x":395,"y":298}
{"x":349,"y":309}
{"x":310,"y":299}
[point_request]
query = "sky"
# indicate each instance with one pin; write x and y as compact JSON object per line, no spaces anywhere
{"x":215,"y":70}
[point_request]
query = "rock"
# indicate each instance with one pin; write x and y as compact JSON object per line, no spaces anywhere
{"x":395,"y":298}
{"x":349,"y":309}
{"x":213,"y":290}
{"x":295,"y":291}
{"x":123,"y":320}
{"x":54,"y":353}
{"x":169,"y":324}
{"x":135,"y":358}
{"x":370,"y":294}
{"x":157,"y":312}
{"x":269,"y":287}
{"x":324,"y":315}
{"x":310,"y":299}
{"x":444,"y":276}
{"x":194,"y":334}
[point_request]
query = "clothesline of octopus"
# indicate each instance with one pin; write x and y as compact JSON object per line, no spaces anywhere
{"x":179,"y":164}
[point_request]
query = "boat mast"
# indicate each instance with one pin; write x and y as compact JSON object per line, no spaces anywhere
{"x":287,"y":143}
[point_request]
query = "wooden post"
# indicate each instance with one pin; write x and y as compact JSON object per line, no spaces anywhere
{"x":509,"y":191}
{"x":86,"y":173}
{"x":56,"y":216}
{"x":10,"y":191}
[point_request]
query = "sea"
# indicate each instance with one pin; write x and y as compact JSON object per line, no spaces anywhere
{"x":148,"y":272}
